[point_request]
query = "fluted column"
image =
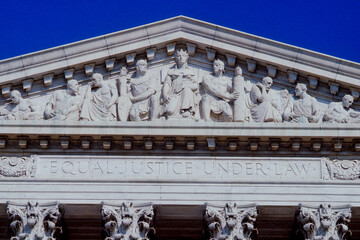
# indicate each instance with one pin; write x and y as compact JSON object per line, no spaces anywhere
{"x":231,"y":222}
{"x":127,"y":221}
{"x":34,"y":221}
{"x":324,"y":222}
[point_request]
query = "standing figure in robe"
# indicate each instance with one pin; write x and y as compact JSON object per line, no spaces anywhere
{"x":100,"y":100}
{"x":264,"y":102}
{"x":18,"y":109}
{"x":65,"y":104}
{"x":218,"y":93}
{"x":145,"y":104}
{"x":181,"y":90}
{"x":305,"y":109}
{"x":340,"y":112}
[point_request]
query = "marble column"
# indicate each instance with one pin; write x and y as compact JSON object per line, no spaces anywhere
{"x":127,"y":221}
{"x":231,"y":221}
{"x":32,"y":220}
{"x":324,"y":222}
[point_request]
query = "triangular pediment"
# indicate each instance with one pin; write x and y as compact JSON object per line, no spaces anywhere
{"x":38,"y":76}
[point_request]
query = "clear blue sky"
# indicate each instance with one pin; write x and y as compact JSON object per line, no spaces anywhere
{"x":326,"y":26}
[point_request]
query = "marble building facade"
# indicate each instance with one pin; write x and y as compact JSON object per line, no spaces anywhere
{"x":179,"y":129}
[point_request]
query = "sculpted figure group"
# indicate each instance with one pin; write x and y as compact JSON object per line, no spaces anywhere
{"x":180,"y":95}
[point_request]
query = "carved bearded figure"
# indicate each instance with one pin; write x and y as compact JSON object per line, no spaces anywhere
{"x":217,"y":94}
{"x":100,"y":100}
{"x":145,"y":103}
{"x":264,"y":102}
{"x":18,"y":109}
{"x":65,"y":104}
{"x":181,"y":90}
{"x":304,"y":109}
{"x":341,"y":112}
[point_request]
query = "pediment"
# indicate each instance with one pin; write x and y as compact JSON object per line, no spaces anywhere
{"x":42,"y":76}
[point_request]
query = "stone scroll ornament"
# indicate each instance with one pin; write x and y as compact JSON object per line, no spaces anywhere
{"x":128,"y":221}
{"x":231,"y":222}
{"x":324,"y":222}
{"x":34,"y":221}
{"x":341,"y":169}
{"x":12,"y":166}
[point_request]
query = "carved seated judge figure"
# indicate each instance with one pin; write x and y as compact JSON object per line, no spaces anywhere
{"x":304,"y":109}
{"x":19,"y":108}
{"x":264,"y":102}
{"x":341,"y":112}
{"x":100,"y":100}
{"x":65,"y":104}
{"x":142,"y":88}
{"x":217,"y":94}
{"x":181,"y":90}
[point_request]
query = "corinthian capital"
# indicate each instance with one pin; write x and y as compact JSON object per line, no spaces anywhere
{"x":127,"y":221}
{"x":33,"y":220}
{"x":324,"y":222}
{"x":231,"y":222}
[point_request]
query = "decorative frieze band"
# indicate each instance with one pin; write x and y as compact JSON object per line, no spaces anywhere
{"x":180,"y":92}
{"x":137,"y":139}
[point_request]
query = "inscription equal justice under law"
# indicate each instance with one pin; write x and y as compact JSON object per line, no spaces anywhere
{"x":177,"y":168}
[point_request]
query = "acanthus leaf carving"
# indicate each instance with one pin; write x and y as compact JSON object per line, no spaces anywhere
{"x":34,"y":221}
{"x":13,"y":166}
{"x":324,"y":223}
{"x":127,"y":221}
{"x":231,"y":222}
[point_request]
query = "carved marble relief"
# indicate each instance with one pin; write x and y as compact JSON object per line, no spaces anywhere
{"x":231,"y":222}
{"x":17,"y":166}
{"x":218,"y":93}
{"x":65,"y":104}
{"x":340,"y":112}
{"x":341,"y":169}
{"x":182,"y":91}
{"x":304,"y":109}
{"x":99,"y":100}
{"x":34,"y":221}
{"x":18,"y":108}
{"x":145,"y":95}
{"x":127,"y":221}
{"x":325,"y":222}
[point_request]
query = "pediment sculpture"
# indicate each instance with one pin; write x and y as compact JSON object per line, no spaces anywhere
{"x":181,"y":93}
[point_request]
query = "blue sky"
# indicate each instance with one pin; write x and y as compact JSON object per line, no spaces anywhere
{"x":330,"y":27}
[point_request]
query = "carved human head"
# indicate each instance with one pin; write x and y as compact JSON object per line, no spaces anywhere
{"x":267,"y":82}
{"x":347,"y":101}
{"x":141,"y":66}
{"x":73,"y":86}
{"x":182,"y":56}
{"x":98,"y":78}
{"x":300,"y":89}
{"x":15,"y":96}
{"x":219,"y":66}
